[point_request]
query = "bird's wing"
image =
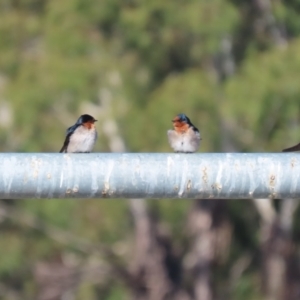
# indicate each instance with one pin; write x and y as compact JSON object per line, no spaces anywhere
{"x":69,"y":132}
{"x":65,"y":145}
{"x":195,"y":129}
{"x":193,"y":126}
{"x":294,"y":148}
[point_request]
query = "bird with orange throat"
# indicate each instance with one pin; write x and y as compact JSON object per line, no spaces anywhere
{"x":185,"y":137}
{"x":81,"y":137}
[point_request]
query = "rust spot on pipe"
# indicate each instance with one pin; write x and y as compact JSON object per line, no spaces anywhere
{"x":293,"y":162}
{"x":216,"y":186}
{"x":204,"y":177}
{"x":72,"y":191}
{"x":189,"y":185}
{"x":105,"y":191}
{"x":272,"y":180}
{"x":35,"y":165}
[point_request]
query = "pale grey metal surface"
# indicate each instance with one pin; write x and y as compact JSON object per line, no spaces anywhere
{"x":150,"y":175}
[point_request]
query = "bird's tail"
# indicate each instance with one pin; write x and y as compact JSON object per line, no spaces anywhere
{"x":62,"y":149}
{"x":291,"y":149}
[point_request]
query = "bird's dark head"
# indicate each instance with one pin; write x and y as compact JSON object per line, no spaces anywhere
{"x":181,"y":123}
{"x":182,"y":118}
{"x":86,"y":119}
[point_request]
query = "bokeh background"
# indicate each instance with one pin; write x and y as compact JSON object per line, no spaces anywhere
{"x":233,"y":66}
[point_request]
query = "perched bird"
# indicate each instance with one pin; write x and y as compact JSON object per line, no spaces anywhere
{"x":185,"y":137}
{"x":294,"y":148}
{"x":81,"y":137}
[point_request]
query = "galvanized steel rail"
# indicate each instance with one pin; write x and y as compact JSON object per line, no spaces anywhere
{"x":150,"y":175}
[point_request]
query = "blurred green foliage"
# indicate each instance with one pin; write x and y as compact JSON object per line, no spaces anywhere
{"x":150,"y":59}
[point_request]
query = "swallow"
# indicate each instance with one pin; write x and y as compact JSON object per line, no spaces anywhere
{"x":81,"y":137}
{"x":291,"y":149}
{"x":185,"y":138}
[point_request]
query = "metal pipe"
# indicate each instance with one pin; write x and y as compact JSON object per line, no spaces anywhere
{"x":150,"y":175}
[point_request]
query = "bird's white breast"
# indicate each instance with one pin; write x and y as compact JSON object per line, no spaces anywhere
{"x":184,"y":142}
{"x":82,"y":140}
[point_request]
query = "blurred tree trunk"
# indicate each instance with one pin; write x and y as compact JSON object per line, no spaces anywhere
{"x":148,"y":260}
{"x":155,"y":268}
{"x":55,"y":280}
{"x":292,"y":287}
{"x":211,"y":233}
{"x":280,"y":273}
